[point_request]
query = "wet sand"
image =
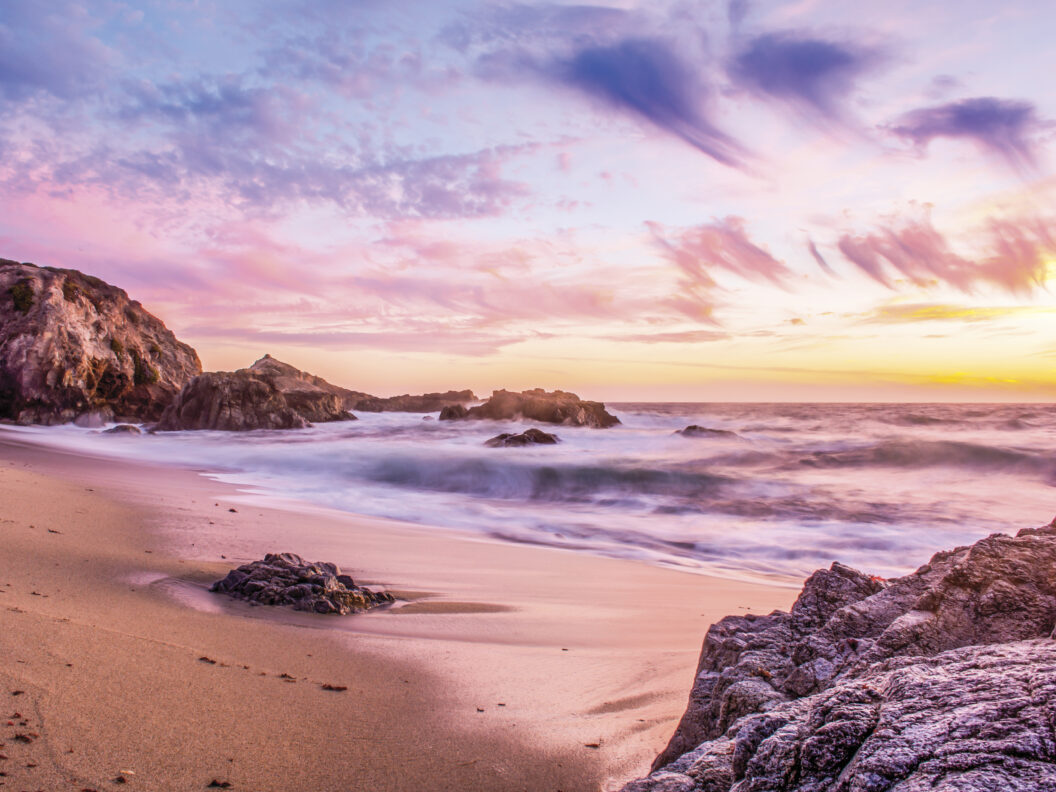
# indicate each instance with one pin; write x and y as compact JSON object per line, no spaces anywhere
{"x":505,"y":667}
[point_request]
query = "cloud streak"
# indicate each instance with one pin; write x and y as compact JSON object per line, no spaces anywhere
{"x":1017,"y":257}
{"x":646,"y":79}
{"x":1001,"y":126}
{"x":814,"y":75}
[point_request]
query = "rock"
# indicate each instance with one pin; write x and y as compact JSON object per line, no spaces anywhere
{"x":123,"y":429}
{"x":557,"y":407}
{"x":453,"y":413}
{"x":73,"y":347}
{"x":267,"y":395}
{"x":425,"y":403}
{"x":703,"y":431}
{"x":942,"y":677}
{"x":287,"y":579}
{"x":527,"y":437}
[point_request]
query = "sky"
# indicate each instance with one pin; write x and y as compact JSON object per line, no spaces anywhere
{"x":811,"y":200}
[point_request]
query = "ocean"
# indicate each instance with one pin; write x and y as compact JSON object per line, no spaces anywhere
{"x":794,"y":487}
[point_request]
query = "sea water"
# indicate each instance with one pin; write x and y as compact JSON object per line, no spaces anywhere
{"x":793,"y":488}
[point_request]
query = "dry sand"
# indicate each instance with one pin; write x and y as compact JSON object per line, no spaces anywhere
{"x":512,"y":667}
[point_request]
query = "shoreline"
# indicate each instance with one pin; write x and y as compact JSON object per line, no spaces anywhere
{"x":580,"y":650}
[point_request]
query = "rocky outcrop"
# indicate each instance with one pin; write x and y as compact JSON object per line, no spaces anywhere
{"x":557,"y":407}
{"x":75,"y":347}
{"x":944,"y":676}
{"x":267,"y":395}
{"x":527,"y":437}
{"x":425,"y":403}
{"x":703,"y":431}
{"x":287,"y":579}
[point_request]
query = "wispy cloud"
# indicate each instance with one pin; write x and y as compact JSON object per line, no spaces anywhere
{"x":942,"y":312}
{"x":1001,"y":126}
{"x":49,"y":49}
{"x":676,"y":337}
{"x":645,"y":78}
{"x":814,"y":75}
{"x":701,"y":250}
{"x":1016,"y":258}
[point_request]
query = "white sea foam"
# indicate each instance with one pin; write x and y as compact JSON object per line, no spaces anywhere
{"x":796,"y":487}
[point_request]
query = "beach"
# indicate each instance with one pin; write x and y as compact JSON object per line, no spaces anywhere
{"x":504,"y":666}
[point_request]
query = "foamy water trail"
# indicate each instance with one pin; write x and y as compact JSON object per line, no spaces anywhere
{"x":794,"y":487}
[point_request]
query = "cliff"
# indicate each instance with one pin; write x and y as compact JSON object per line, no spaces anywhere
{"x":75,"y":347}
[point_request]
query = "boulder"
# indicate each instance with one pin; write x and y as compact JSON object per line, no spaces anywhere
{"x":425,"y":403}
{"x":938,"y":676}
{"x":287,"y":579}
{"x":557,"y":407}
{"x":453,"y":413}
{"x":74,"y":347}
{"x":703,"y":431}
{"x":527,"y":437}
{"x":267,"y":395}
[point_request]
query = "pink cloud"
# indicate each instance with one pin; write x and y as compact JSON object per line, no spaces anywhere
{"x":1014,"y":254}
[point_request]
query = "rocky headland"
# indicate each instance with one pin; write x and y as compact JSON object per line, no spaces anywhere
{"x":287,"y":579}
{"x":942,"y":679}
{"x":73,"y":347}
{"x":556,"y":407}
{"x":269,"y":394}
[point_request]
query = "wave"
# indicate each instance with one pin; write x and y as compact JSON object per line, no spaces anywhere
{"x":933,"y":453}
{"x":555,"y":483}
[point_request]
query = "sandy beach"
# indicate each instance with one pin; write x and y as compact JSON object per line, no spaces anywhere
{"x":505,"y":667}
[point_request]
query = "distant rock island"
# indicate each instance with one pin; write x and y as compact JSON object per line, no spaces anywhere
{"x":75,"y":348}
{"x":942,"y":679}
{"x":556,"y":407}
{"x":425,"y":403}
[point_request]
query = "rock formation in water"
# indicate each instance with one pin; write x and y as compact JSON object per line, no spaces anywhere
{"x":703,"y":431}
{"x":425,"y":403}
{"x":287,"y":579}
{"x":527,"y":437}
{"x":267,"y":395}
{"x":75,"y":348}
{"x":942,"y":679}
{"x":557,"y":407}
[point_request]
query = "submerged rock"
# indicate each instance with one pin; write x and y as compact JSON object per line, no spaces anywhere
{"x":74,"y":347}
{"x":267,"y":395}
{"x":425,"y":403}
{"x":703,"y":431}
{"x":557,"y":407}
{"x":123,"y":429}
{"x":287,"y":579}
{"x":527,"y":437}
{"x":940,"y":679}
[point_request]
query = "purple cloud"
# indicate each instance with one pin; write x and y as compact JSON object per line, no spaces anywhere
{"x":645,"y":78}
{"x":48,"y":49}
{"x":1003,"y":126}
{"x":811,"y":74}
